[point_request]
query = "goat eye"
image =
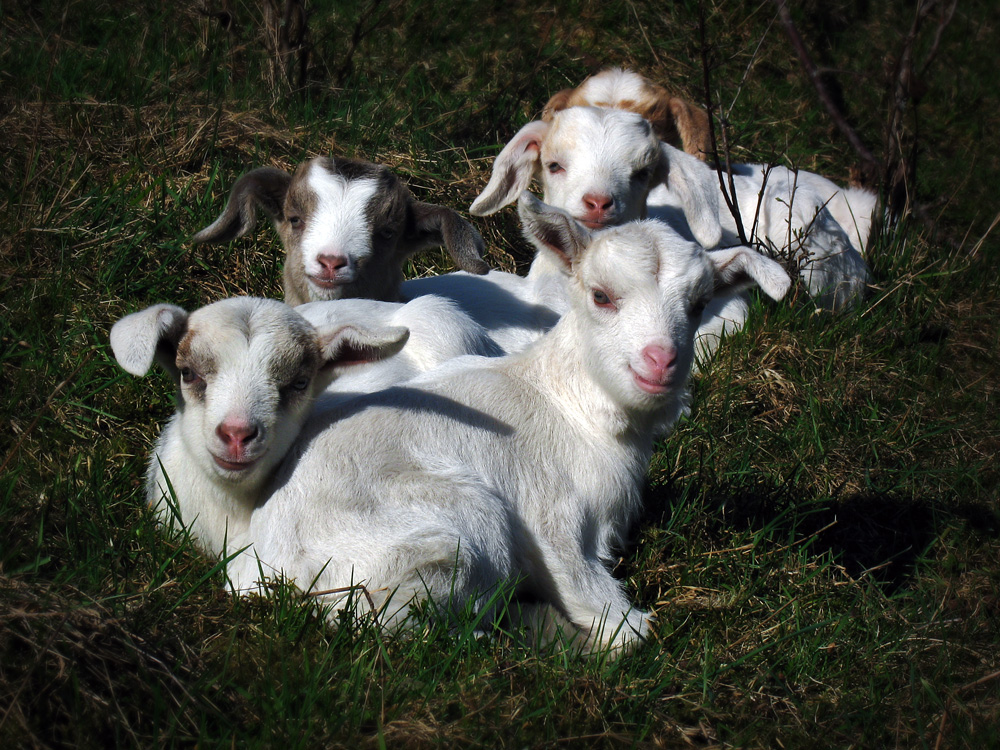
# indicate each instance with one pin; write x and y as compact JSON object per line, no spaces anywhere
{"x":295,"y":221}
{"x":189,"y":376}
{"x":387,"y":234}
{"x":554,"y":167}
{"x":698,"y":307}
{"x":300,"y":384}
{"x":641,"y":175}
{"x":601,"y":299}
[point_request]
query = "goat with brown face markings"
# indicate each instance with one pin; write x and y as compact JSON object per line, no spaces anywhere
{"x":347,"y":227}
{"x":675,"y":121}
{"x":247,"y":372}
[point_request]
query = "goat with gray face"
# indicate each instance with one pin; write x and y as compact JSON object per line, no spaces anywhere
{"x":346,"y":226}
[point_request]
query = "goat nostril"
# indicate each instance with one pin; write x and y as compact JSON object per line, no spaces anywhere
{"x":332,"y":262}
{"x":598,"y":202}
{"x":660,"y":359}
{"x":236,"y":434}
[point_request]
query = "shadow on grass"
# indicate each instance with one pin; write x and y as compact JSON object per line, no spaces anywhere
{"x":880,"y":534}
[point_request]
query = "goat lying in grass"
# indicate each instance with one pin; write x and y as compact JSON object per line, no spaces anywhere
{"x":346,"y":225}
{"x":248,"y":371}
{"x":799,"y":213}
{"x":528,"y":467}
{"x":627,"y":161}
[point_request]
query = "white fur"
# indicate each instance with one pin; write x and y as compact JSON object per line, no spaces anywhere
{"x":529,"y":466}
{"x":337,"y":226}
{"x":613,"y":153}
{"x":439,"y":331}
{"x":600,"y":152}
{"x":240,"y":364}
{"x":802,"y":215}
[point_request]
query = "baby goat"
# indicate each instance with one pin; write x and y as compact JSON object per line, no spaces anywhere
{"x":346,"y":225}
{"x":825,"y":227}
{"x":527,"y":467}
{"x":247,"y":371}
{"x":598,"y":165}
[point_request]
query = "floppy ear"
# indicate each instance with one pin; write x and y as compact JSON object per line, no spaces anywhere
{"x":694,"y":184}
{"x":151,"y":334}
{"x":691,"y":123}
{"x":675,"y":120}
{"x":513,"y":169}
{"x":263,"y":188}
{"x":737,"y":268}
{"x":350,"y":345}
{"x":559,"y":101}
{"x":433,"y":226}
{"x":552,"y":230}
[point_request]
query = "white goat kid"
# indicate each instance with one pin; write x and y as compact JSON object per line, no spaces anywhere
{"x":247,"y":371}
{"x":822,"y":226}
{"x":347,"y":227}
{"x":527,"y":467}
{"x":603,"y":185}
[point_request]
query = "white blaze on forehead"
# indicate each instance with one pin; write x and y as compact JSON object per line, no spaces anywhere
{"x":339,"y":224}
{"x":600,"y":149}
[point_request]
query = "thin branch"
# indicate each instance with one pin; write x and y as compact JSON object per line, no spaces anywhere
{"x":871,"y":163}
{"x":347,"y":590}
{"x":729,"y":196}
{"x":939,"y":32}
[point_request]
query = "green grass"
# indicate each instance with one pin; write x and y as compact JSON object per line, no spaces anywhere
{"x":821,"y":537}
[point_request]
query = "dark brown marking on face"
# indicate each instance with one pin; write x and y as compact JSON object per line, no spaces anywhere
{"x":194,"y":366}
{"x":300,"y":200}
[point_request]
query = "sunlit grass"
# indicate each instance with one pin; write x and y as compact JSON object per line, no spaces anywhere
{"x":821,"y":535}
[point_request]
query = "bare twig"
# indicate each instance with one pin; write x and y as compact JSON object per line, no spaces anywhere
{"x":870,"y":162}
{"x":943,"y":23}
{"x":728,"y":195}
{"x":900,"y":164}
{"x":760,"y":199}
{"x":347,"y":590}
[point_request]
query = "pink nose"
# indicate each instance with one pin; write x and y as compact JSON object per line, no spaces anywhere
{"x":659,"y":360}
{"x":236,"y":433}
{"x":332,"y":263}
{"x":598,"y":203}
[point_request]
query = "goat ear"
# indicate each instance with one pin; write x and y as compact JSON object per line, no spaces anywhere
{"x":264,"y":188}
{"x":151,"y":334}
{"x":691,"y":123}
{"x":434,"y":226}
{"x":552,"y":230}
{"x":737,"y":268}
{"x":694,"y":184}
{"x":559,"y":101}
{"x":349,"y":345}
{"x":512,"y":170}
